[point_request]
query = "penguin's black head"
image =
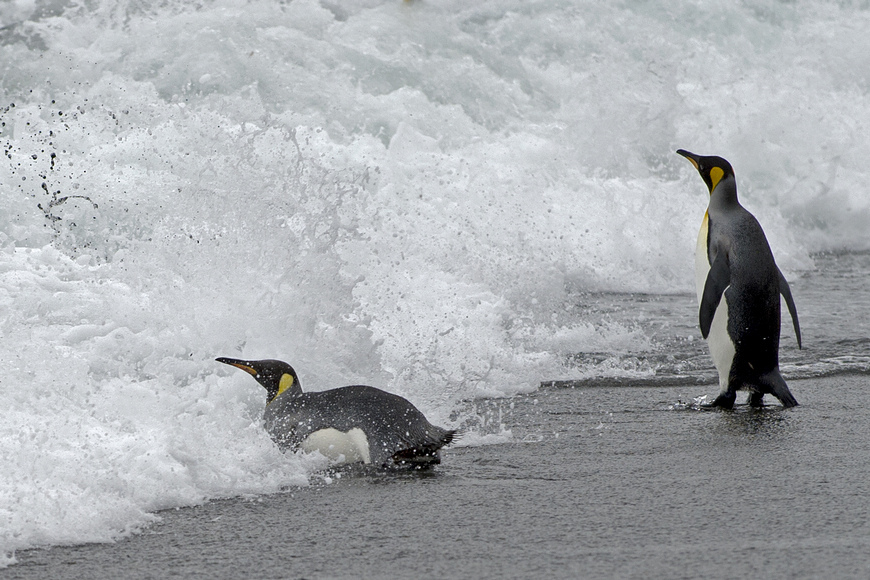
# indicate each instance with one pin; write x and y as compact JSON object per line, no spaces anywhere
{"x":712,"y":169}
{"x":277,"y":376}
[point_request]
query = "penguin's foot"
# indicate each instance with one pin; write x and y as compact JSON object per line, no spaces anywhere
{"x":417,"y":458}
{"x":725,"y":400}
{"x":756,"y":400}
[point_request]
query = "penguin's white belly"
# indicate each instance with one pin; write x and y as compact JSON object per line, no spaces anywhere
{"x":720,"y":344}
{"x":718,"y":341}
{"x":349,"y":447}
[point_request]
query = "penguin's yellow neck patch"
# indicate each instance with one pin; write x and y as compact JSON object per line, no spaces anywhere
{"x":285,"y":383}
{"x":716,"y":175}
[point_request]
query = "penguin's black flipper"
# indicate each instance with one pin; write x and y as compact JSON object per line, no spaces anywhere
{"x":789,"y":301}
{"x":717,"y":280}
{"x":775,"y":385}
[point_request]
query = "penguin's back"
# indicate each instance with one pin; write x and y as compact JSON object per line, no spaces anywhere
{"x":752,"y":295}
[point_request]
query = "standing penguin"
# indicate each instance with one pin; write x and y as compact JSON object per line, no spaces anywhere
{"x":356,"y":423}
{"x":733,"y":259}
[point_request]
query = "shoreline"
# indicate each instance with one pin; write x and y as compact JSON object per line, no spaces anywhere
{"x":591,"y":481}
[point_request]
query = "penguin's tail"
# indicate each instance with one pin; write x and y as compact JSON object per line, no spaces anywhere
{"x":435,"y":437}
{"x":428,"y":451}
{"x":438,"y":437}
{"x":447,"y":436}
{"x":775,"y":385}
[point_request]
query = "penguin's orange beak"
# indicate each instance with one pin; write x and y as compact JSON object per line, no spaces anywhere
{"x":690,"y":156}
{"x":239,"y":364}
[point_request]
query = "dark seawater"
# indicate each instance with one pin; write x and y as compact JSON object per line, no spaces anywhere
{"x":596,"y":480}
{"x":832,"y":301}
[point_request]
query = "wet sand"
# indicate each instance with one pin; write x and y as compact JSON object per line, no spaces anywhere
{"x":595,"y":483}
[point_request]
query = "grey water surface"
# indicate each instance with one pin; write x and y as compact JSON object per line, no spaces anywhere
{"x":598,"y":479}
{"x":596,"y":483}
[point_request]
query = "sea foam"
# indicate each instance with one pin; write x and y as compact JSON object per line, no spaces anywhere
{"x":405,"y":194}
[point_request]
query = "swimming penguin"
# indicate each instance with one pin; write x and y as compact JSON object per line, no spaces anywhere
{"x":733,"y":259}
{"x":360,"y":423}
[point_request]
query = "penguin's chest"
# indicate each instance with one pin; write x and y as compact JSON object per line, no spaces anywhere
{"x":348,"y":447}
